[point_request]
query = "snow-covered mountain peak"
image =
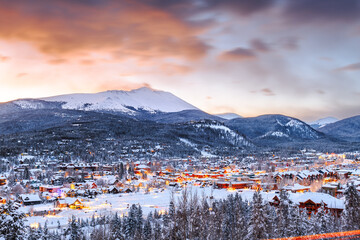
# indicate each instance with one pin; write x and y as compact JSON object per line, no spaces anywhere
{"x":323,"y":122}
{"x":125,"y":101}
{"x":145,"y":89}
{"x":228,"y":116}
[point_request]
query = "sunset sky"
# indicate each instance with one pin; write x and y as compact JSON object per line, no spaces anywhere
{"x":294,"y":57}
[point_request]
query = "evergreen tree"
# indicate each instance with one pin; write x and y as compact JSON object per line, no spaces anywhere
{"x":205,"y":219}
{"x":147,"y":230}
{"x":283,"y":215}
{"x":170,"y":224}
{"x":321,"y":220}
{"x":352,"y":208}
{"x":45,"y":233}
{"x":157,"y":231}
{"x":257,"y":228}
{"x":74,"y":231}
{"x":116,"y":227}
{"x":194,"y":217}
{"x":130,"y":223}
{"x":121,"y":170}
{"x":26,"y":173}
{"x":228,"y":223}
{"x":11,"y":222}
{"x":139,"y":223}
{"x":270,"y":220}
{"x":299,"y":222}
{"x":34,"y":233}
{"x":93,"y":221}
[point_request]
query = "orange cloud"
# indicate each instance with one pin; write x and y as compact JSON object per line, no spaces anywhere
{"x":4,"y":58}
{"x":57,"y":61}
{"x":72,"y":28}
{"x":175,"y":69}
{"x":87,"y":62}
{"x":21,"y":75}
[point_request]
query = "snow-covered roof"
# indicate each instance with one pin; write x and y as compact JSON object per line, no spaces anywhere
{"x":30,"y":197}
{"x":296,"y":187}
{"x":142,"y":166}
{"x":318,"y":198}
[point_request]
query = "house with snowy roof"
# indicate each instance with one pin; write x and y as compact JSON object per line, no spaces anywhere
{"x":296,"y":188}
{"x":69,"y":203}
{"x":312,"y":201}
{"x":30,"y":199}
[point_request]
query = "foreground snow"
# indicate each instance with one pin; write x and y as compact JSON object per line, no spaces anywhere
{"x":110,"y":203}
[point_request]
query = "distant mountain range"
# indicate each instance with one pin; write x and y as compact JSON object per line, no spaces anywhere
{"x":323,"y":122}
{"x":274,"y":129}
{"x":347,"y":129}
{"x":228,"y":116}
{"x":151,"y":116}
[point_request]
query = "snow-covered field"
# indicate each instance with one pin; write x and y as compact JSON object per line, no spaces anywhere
{"x":110,"y":203}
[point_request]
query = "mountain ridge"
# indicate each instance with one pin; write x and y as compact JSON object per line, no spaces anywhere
{"x":31,"y":117}
{"x":141,"y":99}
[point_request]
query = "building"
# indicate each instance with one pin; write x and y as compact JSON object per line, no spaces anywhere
{"x":30,"y":199}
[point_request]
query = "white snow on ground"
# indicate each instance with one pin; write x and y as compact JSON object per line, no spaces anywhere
{"x":142,"y":98}
{"x":219,"y":127}
{"x":26,"y":104}
{"x":187,"y":142}
{"x":235,"y":138}
{"x":294,"y":123}
{"x":207,"y":154}
{"x":275,"y":134}
{"x":110,"y":203}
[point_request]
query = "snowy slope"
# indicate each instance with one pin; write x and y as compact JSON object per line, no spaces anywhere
{"x":323,"y":122}
{"x":228,"y":116}
{"x":124,"y":101}
{"x":275,"y":128}
{"x":225,"y":132}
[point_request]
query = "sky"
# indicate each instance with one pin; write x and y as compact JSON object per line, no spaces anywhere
{"x":299,"y":58}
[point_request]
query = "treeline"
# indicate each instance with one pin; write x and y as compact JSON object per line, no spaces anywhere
{"x":191,"y":217}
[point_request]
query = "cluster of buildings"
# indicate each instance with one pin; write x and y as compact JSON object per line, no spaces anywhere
{"x":311,"y":178}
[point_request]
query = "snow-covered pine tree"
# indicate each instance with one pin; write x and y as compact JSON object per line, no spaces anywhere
{"x":147,"y":231}
{"x":216,"y":220}
{"x":205,"y":219}
{"x":74,"y":231}
{"x":194,"y":217}
{"x":34,"y":233}
{"x":228,"y":222}
{"x":116,"y":227}
{"x":299,"y":222}
{"x":270,"y":220}
{"x":157,"y":231}
{"x":241,"y":222}
{"x":283,"y":215}
{"x":45,"y":234}
{"x":321,"y":220}
{"x":351,"y":214}
{"x":139,"y":223}
{"x":257,"y":229}
{"x":11,"y":222}
{"x":129,"y":225}
{"x":182,"y":214}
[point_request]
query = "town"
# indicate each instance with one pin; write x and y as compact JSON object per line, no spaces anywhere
{"x":48,"y":190}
